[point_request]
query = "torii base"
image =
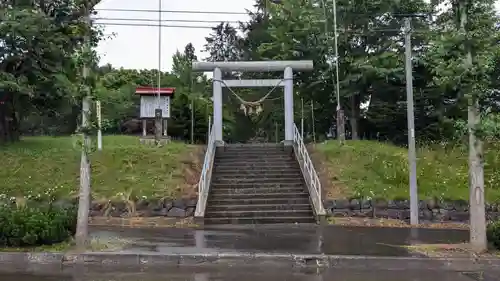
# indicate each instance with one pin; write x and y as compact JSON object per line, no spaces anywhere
{"x":150,"y":140}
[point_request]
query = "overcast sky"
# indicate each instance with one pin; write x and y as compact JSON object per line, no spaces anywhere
{"x":137,"y":46}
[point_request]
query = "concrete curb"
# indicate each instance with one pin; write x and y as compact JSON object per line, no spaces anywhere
{"x":56,"y":262}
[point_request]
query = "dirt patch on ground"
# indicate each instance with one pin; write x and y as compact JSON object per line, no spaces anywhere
{"x":450,"y":251}
{"x":332,"y":187}
{"x":141,"y":222}
{"x":349,"y":221}
{"x":192,"y":166}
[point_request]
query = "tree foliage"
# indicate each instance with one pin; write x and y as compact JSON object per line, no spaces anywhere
{"x":41,"y":51}
{"x":40,"y":42}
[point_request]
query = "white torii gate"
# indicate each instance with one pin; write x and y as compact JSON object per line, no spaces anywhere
{"x":253,"y":66}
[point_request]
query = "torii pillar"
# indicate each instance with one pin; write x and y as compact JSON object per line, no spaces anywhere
{"x":253,"y":66}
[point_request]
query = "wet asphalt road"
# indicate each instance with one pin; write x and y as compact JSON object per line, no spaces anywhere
{"x":253,"y":274}
{"x":290,"y":239}
{"x":293,"y":239}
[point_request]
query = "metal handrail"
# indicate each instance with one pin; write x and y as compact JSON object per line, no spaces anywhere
{"x":310,"y":175}
{"x":206,"y":175}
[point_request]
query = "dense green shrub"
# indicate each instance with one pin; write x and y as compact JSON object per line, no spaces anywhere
{"x":493,"y":233}
{"x":35,"y":226}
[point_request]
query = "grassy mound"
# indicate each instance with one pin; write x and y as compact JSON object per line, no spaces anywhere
{"x":38,"y":167}
{"x":380,"y":170}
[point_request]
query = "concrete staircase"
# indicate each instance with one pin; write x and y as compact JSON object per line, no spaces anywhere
{"x":257,"y":184}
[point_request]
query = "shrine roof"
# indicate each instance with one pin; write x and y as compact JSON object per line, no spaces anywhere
{"x":152,"y":91}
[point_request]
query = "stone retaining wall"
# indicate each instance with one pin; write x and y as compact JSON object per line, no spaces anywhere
{"x":429,"y":210}
{"x":177,"y":208}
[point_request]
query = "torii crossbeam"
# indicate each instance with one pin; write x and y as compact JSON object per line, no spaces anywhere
{"x":254,"y":66}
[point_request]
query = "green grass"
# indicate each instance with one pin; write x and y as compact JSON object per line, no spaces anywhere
{"x":41,"y":166}
{"x":380,"y":170}
{"x":59,"y":247}
{"x":95,"y":245}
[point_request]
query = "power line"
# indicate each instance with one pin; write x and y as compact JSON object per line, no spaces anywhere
{"x":396,"y":15}
{"x":155,"y":25}
{"x":164,"y":20}
{"x":211,"y":27}
{"x":350,"y":31}
{"x":358,"y":32}
{"x":173,"y":11}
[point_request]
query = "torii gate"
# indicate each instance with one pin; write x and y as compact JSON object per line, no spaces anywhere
{"x":253,"y":66}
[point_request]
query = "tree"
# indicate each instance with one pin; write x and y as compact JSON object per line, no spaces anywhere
{"x":465,"y":53}
{"x":223,"y":43}
{"x":38,"y":72}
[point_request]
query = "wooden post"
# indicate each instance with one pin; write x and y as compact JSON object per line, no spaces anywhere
{"x":192,"y":121}
{"x":312,"y":123}
{"x":276,"y":132}
{"x":144,"y":127}
{"x":165,"y":127}
{"x":158,"y":121}
{"x":99,"y":125}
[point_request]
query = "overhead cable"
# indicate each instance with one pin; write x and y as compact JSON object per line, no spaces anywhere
{"x":173,"y":11}
{"x":163,"y":20}
{"x":362,"y":32}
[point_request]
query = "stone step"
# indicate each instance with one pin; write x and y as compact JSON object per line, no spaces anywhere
{"x":256,"y":185}
{"x":254,"y":157}
{"x":248,"y":163}
{"x":260,"y":213}
{"x":245,"y":172}
{"x":304,"y":199}
{"x":257,"y":190}
{"x":254,"y":161}
{"x":254,"y":147}
{"x":254,"y":151}
{"x":255,"y":144}
{"x":255,"y":166}
{"x":263,"y":207}
{"x":225,"y":175}
{"x":260,"y":220}
{"x":276,"y":195}
{"x":259,"y":180}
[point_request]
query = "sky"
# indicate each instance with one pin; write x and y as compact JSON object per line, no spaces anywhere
{"x":136,"y":47}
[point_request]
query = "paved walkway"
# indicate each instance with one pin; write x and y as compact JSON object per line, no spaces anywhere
{"x":289,"y":239}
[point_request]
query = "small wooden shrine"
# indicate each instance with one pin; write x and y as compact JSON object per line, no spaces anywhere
{"x":153,"y":98}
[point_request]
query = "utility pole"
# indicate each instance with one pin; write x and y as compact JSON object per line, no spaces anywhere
{"x":412,"y":157}
{"x":478,"y":238}
{"x":158,"y":111}
{"x":81,"y":235}
{"x":340,"y":112}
